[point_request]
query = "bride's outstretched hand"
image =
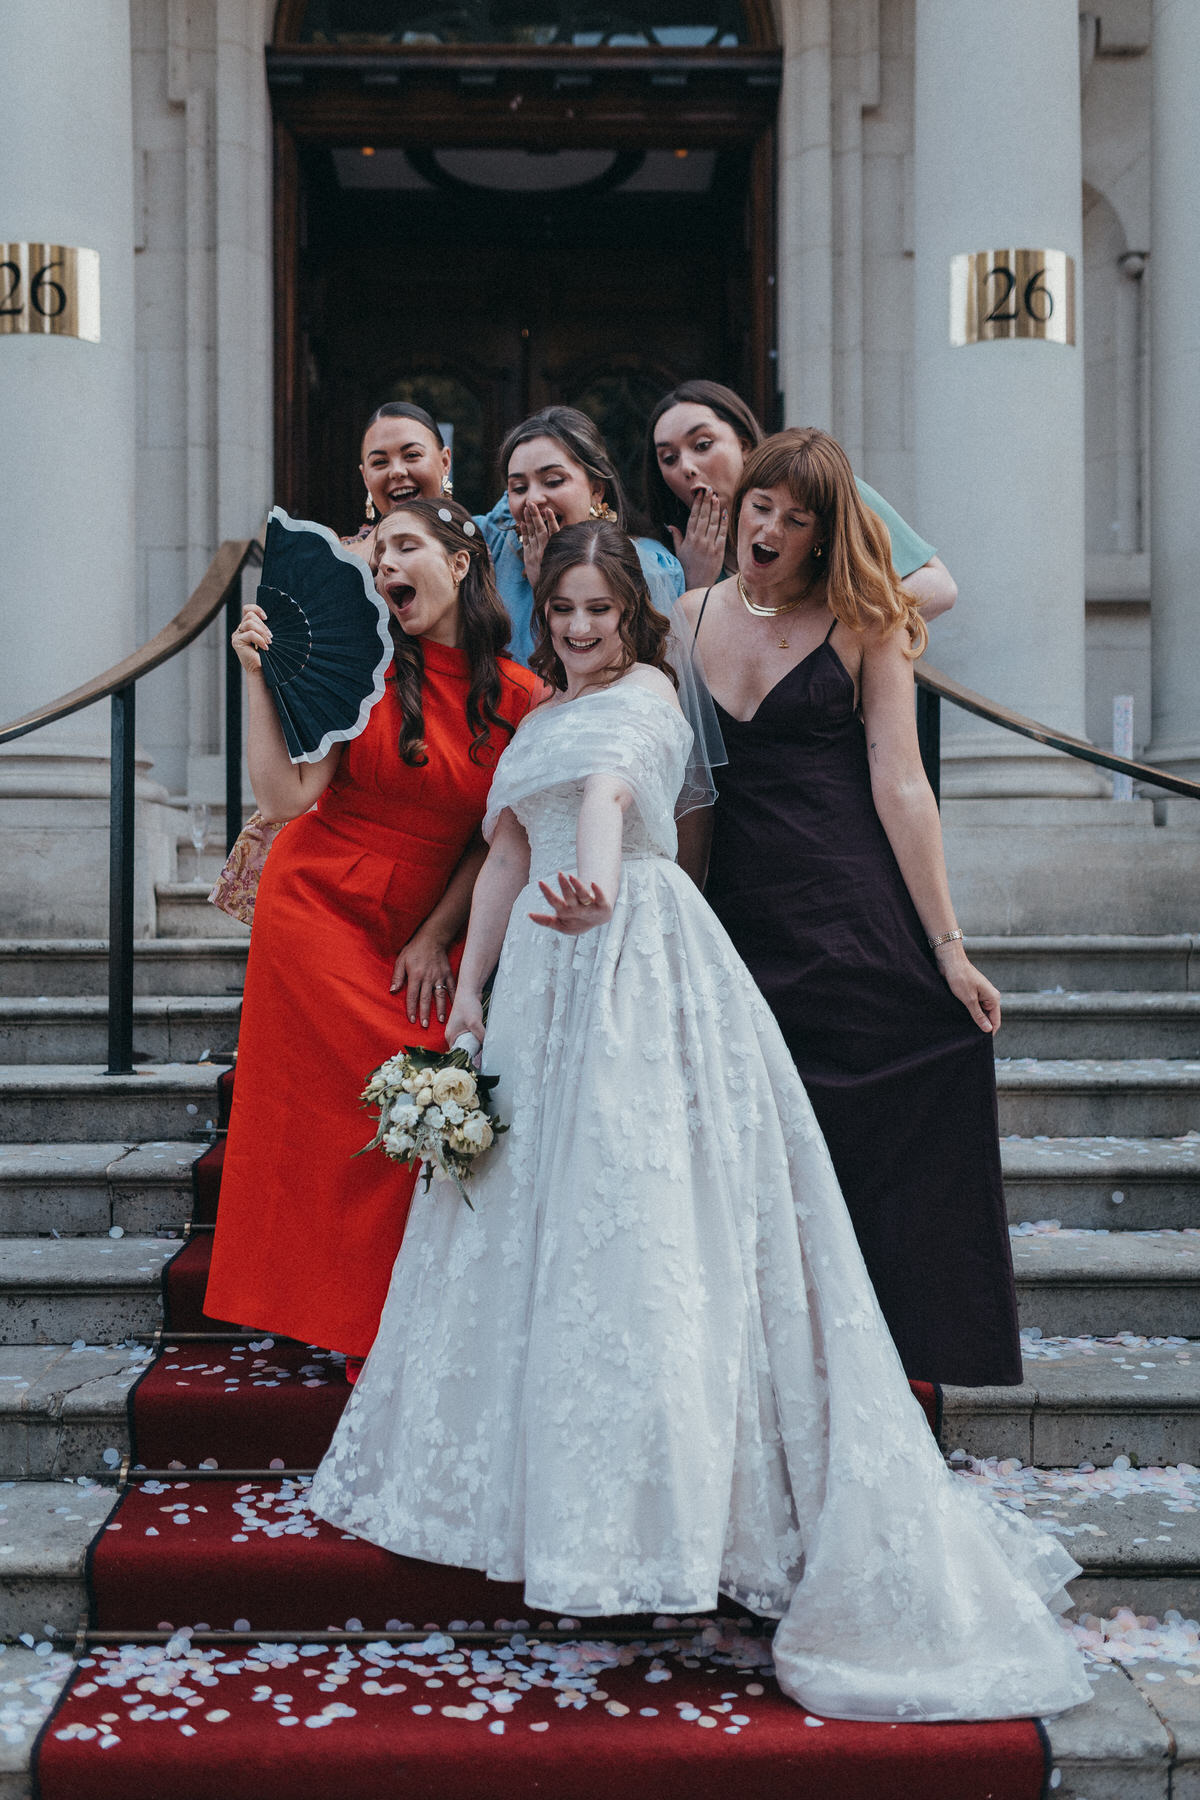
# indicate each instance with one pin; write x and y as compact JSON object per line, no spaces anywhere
{"x":576,"y":909}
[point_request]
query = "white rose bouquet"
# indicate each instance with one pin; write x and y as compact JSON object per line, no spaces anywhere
{"x":433,"y":1109}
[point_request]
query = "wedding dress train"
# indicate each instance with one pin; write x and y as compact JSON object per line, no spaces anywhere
{"x":649,"y":1366}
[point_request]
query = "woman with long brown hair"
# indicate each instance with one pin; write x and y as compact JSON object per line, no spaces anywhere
{"x":558,"y":471}
{"x":826,"y":869}
{"x":357,"y":934}
{"x":697,"y":441}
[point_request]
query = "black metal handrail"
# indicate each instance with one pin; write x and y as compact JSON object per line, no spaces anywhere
{"x":219,"y":590}
{"x":933,"y":687}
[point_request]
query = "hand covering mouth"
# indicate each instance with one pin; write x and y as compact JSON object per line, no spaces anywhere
{"x":763,"y":554}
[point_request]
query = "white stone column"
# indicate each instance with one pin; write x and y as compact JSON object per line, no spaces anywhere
{"x":1174,"y":282}
{"x":67,"y":562}
{"x":806,"y":225}
{"x":999,"y":425}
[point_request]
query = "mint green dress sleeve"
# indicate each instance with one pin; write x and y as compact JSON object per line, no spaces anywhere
{"x":909,"y":552}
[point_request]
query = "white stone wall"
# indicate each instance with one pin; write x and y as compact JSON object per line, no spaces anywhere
{"x":203,"y":338}
{"x":202,"y":270}
{"x":1116,"y":74}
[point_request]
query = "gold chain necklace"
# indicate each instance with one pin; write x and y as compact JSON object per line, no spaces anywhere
{"x":773,"y":612}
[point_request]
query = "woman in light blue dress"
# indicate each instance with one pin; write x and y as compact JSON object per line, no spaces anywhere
{"x":557,"y":472}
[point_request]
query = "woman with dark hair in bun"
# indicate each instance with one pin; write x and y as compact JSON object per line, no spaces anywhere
{"x":404,"y":457}
{"x":558,"y":471}
{"x":357,"y":934}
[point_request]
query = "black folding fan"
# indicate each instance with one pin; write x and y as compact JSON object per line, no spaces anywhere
{"x":330,"y":643}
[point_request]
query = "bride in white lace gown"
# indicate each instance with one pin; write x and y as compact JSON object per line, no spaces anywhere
{"x":649,"y":1366}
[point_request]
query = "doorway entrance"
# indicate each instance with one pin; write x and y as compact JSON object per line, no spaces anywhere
{"x":487,"y":229}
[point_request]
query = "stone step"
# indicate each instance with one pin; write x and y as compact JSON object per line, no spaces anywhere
{"x":65,"y":1103}
{"x":1150,"y":1097}
{"x":1098,"y":1282}
{"x":1110,"y":1183}
{"x":1132,"y":1552}
{"x":62,"y":1406}
{"x":1117,"y":1183}
{"x":61,"y":1029}
{"x":1134,"y":1531}
{"x":1085,"y":1399}
{"x":63,"y":1290}
{"x":45,"y":1528}
{"x":1100,"y":1024}
{"x":87,"y":1189}
{"x":69,"y":1028}
{"x":1091,"y":1097}
{"x":1030,"y":965}
{"x":183,"y":910}
{"x":1137,"y":1738}
{"x":172,"y":966}
{"x":1040,"y":964}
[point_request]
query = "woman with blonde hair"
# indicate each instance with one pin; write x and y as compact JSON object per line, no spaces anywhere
{"x":826,"y":868}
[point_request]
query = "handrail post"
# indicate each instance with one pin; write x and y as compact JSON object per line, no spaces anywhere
{"x":121,"y":818}
{"x":929,"y":737}
{"x":233,"y":720}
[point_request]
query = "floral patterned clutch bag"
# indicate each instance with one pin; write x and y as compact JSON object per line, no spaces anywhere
{"x":237,"y":884}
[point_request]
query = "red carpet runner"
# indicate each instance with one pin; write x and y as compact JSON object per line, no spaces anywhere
{"x":445,"y":1719}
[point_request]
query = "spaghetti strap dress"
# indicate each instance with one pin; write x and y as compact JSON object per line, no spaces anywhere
{"x":306,"y":1231}
{"x":902,"y":1081}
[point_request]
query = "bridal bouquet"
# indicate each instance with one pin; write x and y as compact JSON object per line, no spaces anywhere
{"x":433,"y":1109}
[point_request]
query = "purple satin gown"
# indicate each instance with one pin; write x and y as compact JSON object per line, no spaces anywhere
{"x":902,"y":1081}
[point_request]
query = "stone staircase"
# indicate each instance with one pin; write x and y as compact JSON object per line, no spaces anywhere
{"x":1100,"y":1113}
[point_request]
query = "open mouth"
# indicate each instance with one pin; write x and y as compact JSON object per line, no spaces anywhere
{"x":398,"y":495}
{"x":581,"y":645}
{"x":399,"y":596}
{"x":763,"y":555}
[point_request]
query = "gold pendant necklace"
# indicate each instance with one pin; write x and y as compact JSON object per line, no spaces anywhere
{"x":772,"y":612}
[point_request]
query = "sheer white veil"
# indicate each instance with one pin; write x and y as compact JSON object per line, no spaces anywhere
{"x":696,"y":703}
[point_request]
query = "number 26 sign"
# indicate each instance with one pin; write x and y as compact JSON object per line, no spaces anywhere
{"x":1012,"y":294}
{"x":50,"y":289}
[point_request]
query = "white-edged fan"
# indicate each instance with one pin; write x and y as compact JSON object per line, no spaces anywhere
{"x":330,"y":643}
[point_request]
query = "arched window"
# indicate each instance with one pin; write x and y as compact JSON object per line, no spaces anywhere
{"x":582,"y":24}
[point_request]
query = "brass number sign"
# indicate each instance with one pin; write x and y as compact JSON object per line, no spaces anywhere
{"x":50,"y":288}
{"x":1012,"y":294}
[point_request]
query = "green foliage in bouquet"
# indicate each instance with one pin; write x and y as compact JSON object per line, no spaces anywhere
{"x":433,"y":1109}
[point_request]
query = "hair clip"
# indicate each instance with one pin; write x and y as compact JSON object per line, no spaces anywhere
{"x":468,"y":528}
{"x":445,"y":515}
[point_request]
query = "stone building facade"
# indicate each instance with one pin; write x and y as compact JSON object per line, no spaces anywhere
{"x":1056,"y":479}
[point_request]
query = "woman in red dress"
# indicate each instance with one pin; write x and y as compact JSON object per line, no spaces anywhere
{"x":358,"y":928}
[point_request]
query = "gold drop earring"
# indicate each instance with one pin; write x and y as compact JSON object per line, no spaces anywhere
{"x":370,"y":508}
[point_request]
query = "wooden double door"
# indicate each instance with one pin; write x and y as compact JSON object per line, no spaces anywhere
{"x":482,"y":334}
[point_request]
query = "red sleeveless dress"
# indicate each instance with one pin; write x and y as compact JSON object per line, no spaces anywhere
{"x":306,"y":1233}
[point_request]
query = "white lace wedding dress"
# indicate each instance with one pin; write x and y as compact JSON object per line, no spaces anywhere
{"x":649,"y":1365}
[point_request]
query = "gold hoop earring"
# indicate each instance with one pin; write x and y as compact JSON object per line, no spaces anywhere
{"x":817,"y":552}
{"x":600,"y":509}
{"x":370,"y":508}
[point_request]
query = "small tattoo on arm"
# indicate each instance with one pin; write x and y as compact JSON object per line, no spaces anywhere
{"x":874,"y":748}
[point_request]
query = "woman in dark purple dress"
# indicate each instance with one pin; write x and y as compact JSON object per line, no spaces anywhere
{"x":826,"y":869}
